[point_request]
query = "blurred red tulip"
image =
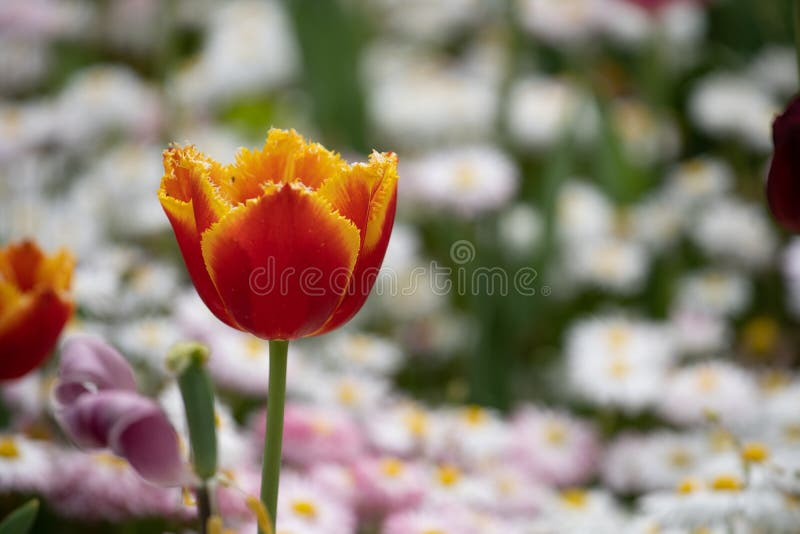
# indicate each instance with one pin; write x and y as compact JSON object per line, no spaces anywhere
{"x":783,"y":182}
{"x":34,"y":305}
{"x":287,"y":241}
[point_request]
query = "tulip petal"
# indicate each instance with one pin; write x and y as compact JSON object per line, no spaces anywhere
{"x":281,"y":262}
{"x":132,"y":426}
{"x":367,"y":195}
{"x":88,"y":360}
{"x":783,"y":182}
{"x":286,"y":157}
{"x":29,"y":331}
{"x":150,"y":444}
{"x":19,"y":264}
{"x":89,"y":419}
{"x":177,"y":196}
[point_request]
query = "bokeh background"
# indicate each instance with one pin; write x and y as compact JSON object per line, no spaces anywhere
{"x":614,"y":151}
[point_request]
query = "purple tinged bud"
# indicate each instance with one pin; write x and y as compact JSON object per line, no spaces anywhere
{"x":98,"y":406}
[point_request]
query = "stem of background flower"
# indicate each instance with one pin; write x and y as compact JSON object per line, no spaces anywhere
{"x":203,"y":506}
{"x":187,"y":361}
{"x":276,"y":398}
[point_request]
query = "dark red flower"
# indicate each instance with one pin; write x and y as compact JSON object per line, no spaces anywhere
{"x":783,"y":182}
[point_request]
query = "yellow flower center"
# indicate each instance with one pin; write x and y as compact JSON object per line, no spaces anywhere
{"x":8,"y":448}
{"x":348,"y":394}
{"x":619,"y":367}
{"x":707,"y":380}
{"x":774,"y":380}
{"x":151,"y":336}
{"x":306,"y":509}
{"x":359,"y":348}
{"x":754,"y":452}
{"x":680,"y":458}
{"x":321,"y":426}
{"x":687,"y":485}
{"x":474,"y":415}
{"x":575,"y":498}
{"x":433,"y":531}
{"x":618,"y":337}
{"x":727,"y":483}
{"x":555,"y":433}
{"x":448,"y":475}
{"x":792,"y":432}
{"x":253,"y":347}
{"x":392,"y":467}
{"x":417,"y":422}
{"x":760,"y":335}
{"x":105,"y":458}
{"x":465,"y":177}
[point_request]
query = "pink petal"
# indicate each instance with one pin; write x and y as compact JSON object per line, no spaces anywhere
{"x":88,"y":360}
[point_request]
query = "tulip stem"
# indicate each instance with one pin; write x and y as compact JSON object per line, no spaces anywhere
{"x":276,"y":399}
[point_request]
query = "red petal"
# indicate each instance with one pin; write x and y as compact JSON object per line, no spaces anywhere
{"x":783,"y":182}
{"x":261,"y":254}
{"x":185,"y":200}
{"x":29,"y":331}
{"x":367,"y":195}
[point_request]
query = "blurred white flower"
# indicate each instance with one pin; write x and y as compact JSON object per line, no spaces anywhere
{"x":304,"y":507}
{"x":560,"y":22}
{"x":716,"y":390}
{"x":147,"y":340}
{"x":102,"y":100}
{"x":616,"y":265}
{"x":737,"y":231}
{"x":541,"y":111}
{"x":430,"y":21}
{"x":635,"y":463}
{"x":716,"y":291}
{"x":775,"y":69}
{"x":692,"y":183}
{"x":619,"y":362}
{"x":577,"y":511}
{"x":469,"y":436}
{"x":648,"y":138}
{"x":363,"y":352}
{"x":26,"y":466}
{"x":655,"y":222}
{"x":466,"y":180}
{"x":583,"y":213}
{"x":727,"y":105}
{"x":699,"y":332}
{"x":402,"y":428}
{"x":24,"y":126}
{"x":430,"y":103}
{"x":136,"y":171}
{"x":250,"y":48}
{"x":554,"y":447}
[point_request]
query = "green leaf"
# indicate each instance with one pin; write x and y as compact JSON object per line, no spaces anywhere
{"x":20,"y":520}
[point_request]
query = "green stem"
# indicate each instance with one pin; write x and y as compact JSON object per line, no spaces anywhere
{"x":797,"y":32}
{"x":203,"y":506}
{"x":276,"y":398}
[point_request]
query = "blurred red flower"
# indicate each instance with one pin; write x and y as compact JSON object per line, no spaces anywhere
{"x":783,"y":182}
{"x":34,"y":305}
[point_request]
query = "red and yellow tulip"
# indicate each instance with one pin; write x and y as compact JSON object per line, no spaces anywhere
{"x":34,"y":305}
{"x":287,"y":241}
